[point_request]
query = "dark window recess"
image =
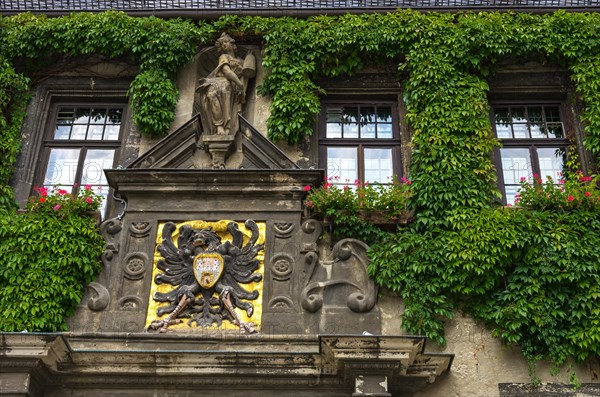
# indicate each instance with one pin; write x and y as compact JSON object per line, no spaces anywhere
{"x":533,"y":143}
{"x":82,"y":142}
{"x":360,"y":142}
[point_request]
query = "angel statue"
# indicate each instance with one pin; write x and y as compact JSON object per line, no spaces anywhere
{"x":223,"y":91}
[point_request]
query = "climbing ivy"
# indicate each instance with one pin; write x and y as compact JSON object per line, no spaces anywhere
{"x":46,"y":260}
{"x":462,"y":251}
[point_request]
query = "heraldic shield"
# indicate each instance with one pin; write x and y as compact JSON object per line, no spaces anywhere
{"x":208,"y":268}
{"x":202,"y":274}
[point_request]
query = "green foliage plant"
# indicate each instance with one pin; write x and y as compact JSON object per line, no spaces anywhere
{"x":352,"y":206}
{"x":13,"y":98}
{"x":61,"y":203}
{"x":577,"y":191}
{"x":47,"y":255}
{"x":332,"y":197}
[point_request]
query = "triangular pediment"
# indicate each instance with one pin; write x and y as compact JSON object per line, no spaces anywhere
{"x":183,"y":149}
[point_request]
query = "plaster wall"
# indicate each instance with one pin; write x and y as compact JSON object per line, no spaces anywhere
{"x":482,"y":362}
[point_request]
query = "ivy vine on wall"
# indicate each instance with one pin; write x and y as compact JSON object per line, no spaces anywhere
{"x":533,"y":276}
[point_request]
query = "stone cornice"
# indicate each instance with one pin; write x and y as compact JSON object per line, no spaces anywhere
{"x":187,"y":360}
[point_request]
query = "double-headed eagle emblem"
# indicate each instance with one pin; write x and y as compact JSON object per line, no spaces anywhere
{"x":206,"y":275}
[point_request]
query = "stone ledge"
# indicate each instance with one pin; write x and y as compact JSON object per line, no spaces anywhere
{"x":149,"y":361}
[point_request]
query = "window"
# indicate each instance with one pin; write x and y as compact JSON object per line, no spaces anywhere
{"x":359,"y":142}
{"x":533,"y":143}
{"x":81,"y":142}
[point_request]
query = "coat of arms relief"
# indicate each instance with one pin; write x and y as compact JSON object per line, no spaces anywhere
{"x":207,"y":274}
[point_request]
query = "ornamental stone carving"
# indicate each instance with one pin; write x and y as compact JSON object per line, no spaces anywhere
{"x":347,"y":272}
{"x":135,"y":265}
{"x":206,"y":275}
{"x":221,"y":96}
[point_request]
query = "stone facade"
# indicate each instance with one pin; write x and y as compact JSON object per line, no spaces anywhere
{"x":323,"y":329}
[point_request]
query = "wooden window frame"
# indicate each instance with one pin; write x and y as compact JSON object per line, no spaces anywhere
{"x":393,"y":143}
{"x":532,"y":144}
{"x":49,"y":142}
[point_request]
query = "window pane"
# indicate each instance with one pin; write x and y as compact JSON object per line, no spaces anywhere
{"x":95,"y":132}
{"x":511,"y":191}
{"x":367,"y":115}
{"x":555,"y":130}
{"x":102,"y":191}
{"x":62,"y":167}
{"x":503,"y":131}
{"x":534,"y":114}
{"x":537,"y":122}
{"x":350,"y":114}
{"x":82,"y":116}
{"x":96,"y":160}
{"x":367,"y":131}
{"x":551,"y":162}
{"x":333,"y":130}
{"x":351,"y":130}
{"x":66,"y":116}
{"x":62,"y":132}
{"x":342,"y":162}
{"x":114,"y":116}
{"x":384,"y":131}
{"x":501,"y":116}
{"x":552,"y":113}
{"x":367,"y":122}
{"x":518,"y":114}
{"x":79,"y":132}
{"x":334,"y":122}
{"x":111,"y":132}
{"x":516,"y":164}
{"x":98,"y":116}
{"x":520,"y":131}
{"x":502,"y":123}
{"x":350,"y":118}
{"x":384,"y":114}
{"x":378,"y":165}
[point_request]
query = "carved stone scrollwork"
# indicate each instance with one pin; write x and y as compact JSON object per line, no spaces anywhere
{"x":312,"y":230}
{"x":281,"y":268}
{"x":101,"y":297}
{"x":140,"y":229}
{"x":110,"y":227}
{"x":283,"y":230}
{"x":281,"y":303}
{"x":109,"y":252}
{"x":110,"y":230}
{"x":130,"y":303}
{"x":347,"y":269}
{"x":135,"y":265}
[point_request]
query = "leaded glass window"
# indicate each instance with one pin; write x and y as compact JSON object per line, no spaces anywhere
{"x":533,"y":143}
{"x":360,"y":142}
{"x":83,"y":141}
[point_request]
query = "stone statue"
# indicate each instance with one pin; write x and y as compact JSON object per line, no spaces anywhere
{"x":222,"y":92}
